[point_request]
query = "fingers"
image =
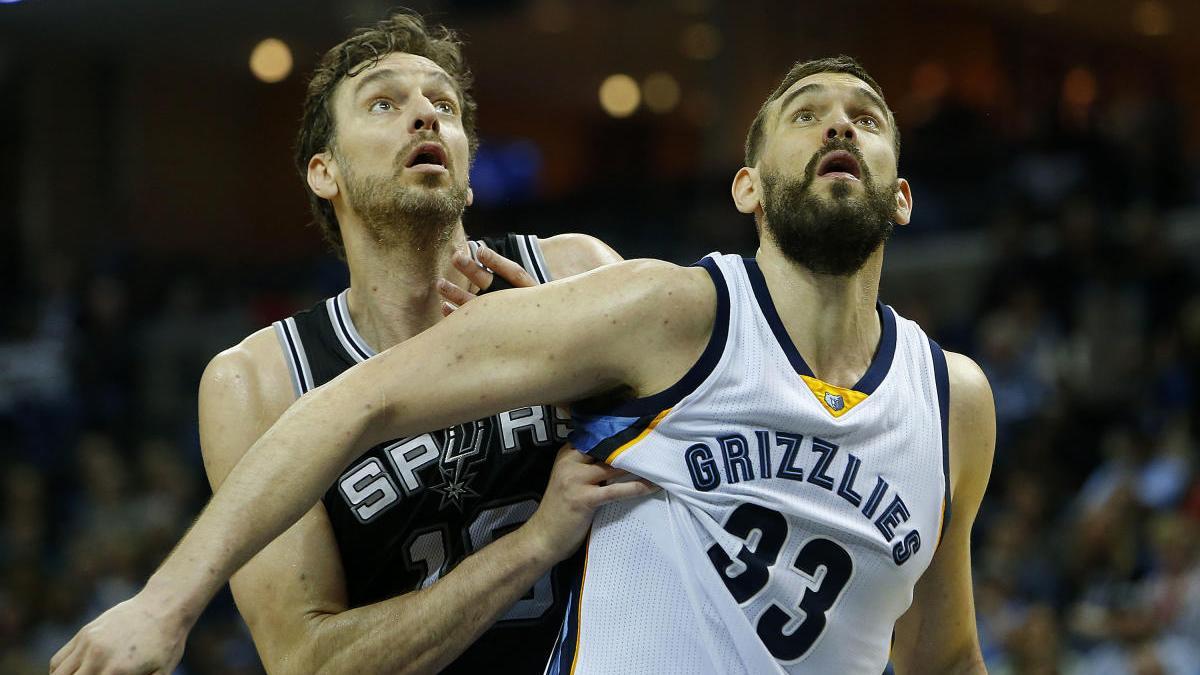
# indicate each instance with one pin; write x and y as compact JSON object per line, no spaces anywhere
{"x":625,"y":490}
{"x":512,"y":272}
{"x":69,"y":663}
{"x":473,"y":271}
{"x":453,"y":293}
{"x":66,"y":660}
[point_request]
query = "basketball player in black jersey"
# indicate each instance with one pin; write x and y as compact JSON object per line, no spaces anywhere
{"x":407,"y":564}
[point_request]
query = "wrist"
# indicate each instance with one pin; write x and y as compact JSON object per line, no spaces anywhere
{"x":172,"y":600}
{"x":536,"y":545}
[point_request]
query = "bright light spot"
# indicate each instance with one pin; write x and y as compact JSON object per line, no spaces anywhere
{"x":1152,"y":17}
{"x":1079,"y":87}
{"x":619,"y":95}
{"x":661,"y":91}
{"x":700,"y":41}
{"x":271,"y":60}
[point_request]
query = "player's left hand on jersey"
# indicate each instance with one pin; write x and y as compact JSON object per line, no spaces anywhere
{"x":132,"y":638}
{"x":492,"y":272}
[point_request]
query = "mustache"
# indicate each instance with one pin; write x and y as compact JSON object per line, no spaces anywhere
{"x":401,"y":159}
{"x":833,"y":145}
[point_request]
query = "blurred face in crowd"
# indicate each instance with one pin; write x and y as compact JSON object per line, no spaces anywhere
{"x":400,"y":156}
{"x":827,"y":176}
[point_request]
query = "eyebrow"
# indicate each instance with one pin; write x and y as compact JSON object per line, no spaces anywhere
{"x":813,"y":87}
{"x":392,"y":74}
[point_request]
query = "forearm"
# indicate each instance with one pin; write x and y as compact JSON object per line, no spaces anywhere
{"x":260,"y":498}
{"x":425,"y":630}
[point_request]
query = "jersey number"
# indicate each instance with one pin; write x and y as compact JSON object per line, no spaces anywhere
{"x":427,"y":552}
{"x":764,"y":532}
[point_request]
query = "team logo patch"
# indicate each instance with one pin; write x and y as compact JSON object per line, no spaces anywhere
{"x":834,"y":401}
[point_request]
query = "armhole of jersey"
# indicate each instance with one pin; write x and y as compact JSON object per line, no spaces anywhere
{"x":293,"y":354}
{"x":941,"y":379}
{"x":606,"y":432}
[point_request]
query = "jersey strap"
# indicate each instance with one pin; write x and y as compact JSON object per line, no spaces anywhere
{"x":294,"y":355}
{"x":941,"y":379}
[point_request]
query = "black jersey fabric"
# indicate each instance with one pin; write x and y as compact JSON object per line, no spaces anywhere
{"x":409,"y":510}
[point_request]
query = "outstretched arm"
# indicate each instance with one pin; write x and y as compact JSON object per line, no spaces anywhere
{"x":602,"y":331}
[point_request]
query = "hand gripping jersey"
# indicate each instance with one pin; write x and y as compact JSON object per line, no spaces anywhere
{"x":794,"y":516}
{"x":408,"y":511}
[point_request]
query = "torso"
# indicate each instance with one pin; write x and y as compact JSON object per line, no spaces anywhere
{"x":795,"y":517}
{"x":407,"y":511}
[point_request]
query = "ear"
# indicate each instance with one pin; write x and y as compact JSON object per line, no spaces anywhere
{"x":470,"y":196}
{"x":904,"y":202}
{"x":746,"y":196}
{"x":322,"y":175}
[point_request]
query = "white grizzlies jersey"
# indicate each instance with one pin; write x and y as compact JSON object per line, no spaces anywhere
{"x":794,"y":518}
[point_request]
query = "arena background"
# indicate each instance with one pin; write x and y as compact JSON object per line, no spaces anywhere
{"x":150,"y":217}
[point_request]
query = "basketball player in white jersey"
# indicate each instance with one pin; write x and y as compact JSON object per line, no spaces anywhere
{"x":809,"y":442}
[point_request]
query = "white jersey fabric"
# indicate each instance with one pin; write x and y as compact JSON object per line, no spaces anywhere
{"x":794,"y":518}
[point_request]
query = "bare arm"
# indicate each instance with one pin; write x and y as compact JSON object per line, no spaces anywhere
{"x":938,"y":633}
{"x":597,"y":332}
{"x":293,"y":595}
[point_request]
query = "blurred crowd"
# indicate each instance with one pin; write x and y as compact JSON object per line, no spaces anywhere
{"x":1085,"y":315}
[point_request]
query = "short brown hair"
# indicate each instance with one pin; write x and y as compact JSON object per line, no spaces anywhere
{"x":799,"y":71}
{"x":403,"y":32}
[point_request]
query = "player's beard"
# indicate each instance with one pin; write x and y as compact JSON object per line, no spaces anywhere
{"x":827,"y":236}
{"x":412,"y":217}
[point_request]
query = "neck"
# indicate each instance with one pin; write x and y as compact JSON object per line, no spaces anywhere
{"x":832,"y":320}
{"x":393,"y":293}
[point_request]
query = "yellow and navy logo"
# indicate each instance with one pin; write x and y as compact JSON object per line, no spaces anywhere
{"x":836,"y":400}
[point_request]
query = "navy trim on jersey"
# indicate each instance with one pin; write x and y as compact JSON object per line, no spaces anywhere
{"x":562,"y":656}
{"x":656,"y":403}
{"x":941,"y":379}
{"x":880,"y":364}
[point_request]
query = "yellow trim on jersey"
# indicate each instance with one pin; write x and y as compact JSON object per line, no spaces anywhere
{"x":941,"y":517}
{"x":839,"y":396}
{"x":638,"y":439}
{"x":587,"y":550}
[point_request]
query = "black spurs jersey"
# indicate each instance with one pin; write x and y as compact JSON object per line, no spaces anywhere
{"x":409,"y":510}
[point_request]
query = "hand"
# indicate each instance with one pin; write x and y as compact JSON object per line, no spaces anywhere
{"x":479,"y":276}
{"x":132,"y":638}
{"x":578,"y":486}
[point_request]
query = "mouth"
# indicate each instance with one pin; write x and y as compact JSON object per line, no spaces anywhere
{"x":427,"y":156}
{"x":840,"y":164}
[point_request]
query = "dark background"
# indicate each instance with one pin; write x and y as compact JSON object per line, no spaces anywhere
{"x":150,"y":217}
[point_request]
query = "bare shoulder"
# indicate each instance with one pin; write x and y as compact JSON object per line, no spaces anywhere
{"x":662,"y":319}
{"x":972,"y":423}
{"x":574,"y":253}
{"x":243,"y":391}
{"x":681,"y":298}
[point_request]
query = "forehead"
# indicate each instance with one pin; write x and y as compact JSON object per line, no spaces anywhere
{"x":399,"y":64}
{"x":837,"y":84}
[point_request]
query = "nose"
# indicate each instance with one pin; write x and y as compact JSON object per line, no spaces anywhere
{"x":425,"y":116}
{"x":842,"y":128}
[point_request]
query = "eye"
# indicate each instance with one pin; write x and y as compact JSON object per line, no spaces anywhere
{"x":869,"y":122}
{"x":804,"y":116}
{"x":381,"y":105}
{"x":445,"y":107}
